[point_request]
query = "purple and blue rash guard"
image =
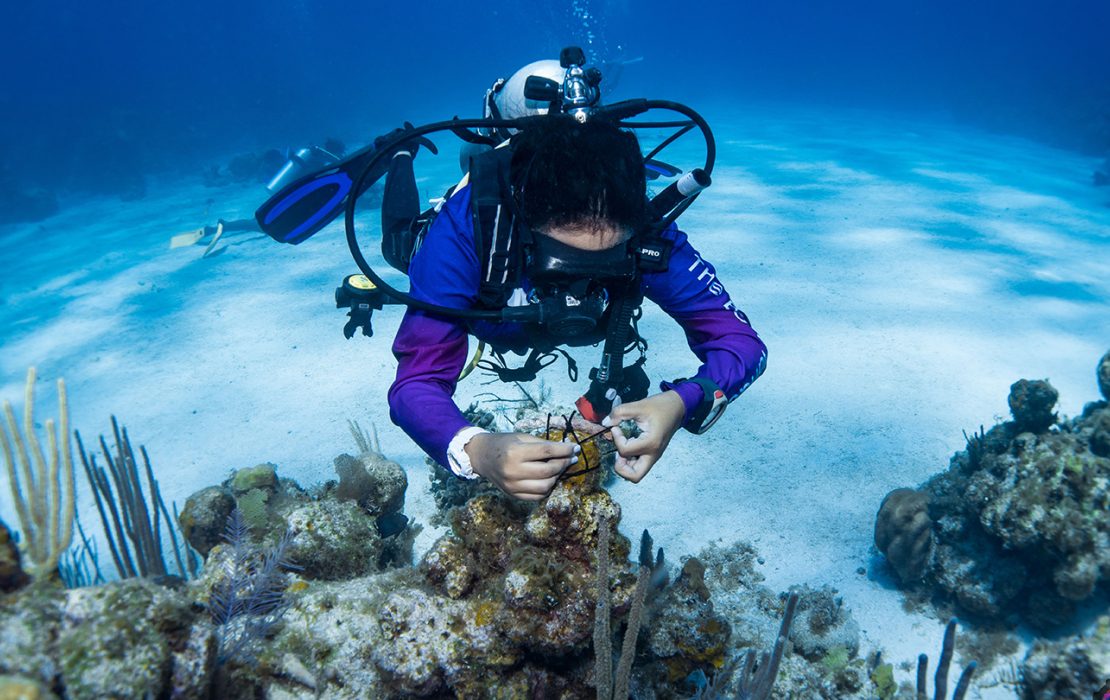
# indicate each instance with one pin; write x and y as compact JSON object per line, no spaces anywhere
{"x":431,"y":349}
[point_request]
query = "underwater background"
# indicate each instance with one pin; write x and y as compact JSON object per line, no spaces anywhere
{"x":904,"y":204}
{"x":93,"y":94}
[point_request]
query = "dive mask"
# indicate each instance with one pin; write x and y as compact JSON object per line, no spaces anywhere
{"x":572,"y":285}
{"x":554,"y":262}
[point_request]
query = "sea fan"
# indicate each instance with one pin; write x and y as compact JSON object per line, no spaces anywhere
{"x":250,"y":598}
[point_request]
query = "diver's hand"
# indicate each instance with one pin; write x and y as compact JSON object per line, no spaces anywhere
{"x":523,"y":466}
{"x":659,"y":417}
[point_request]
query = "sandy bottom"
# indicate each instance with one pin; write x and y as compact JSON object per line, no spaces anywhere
{"x":903,"y":275}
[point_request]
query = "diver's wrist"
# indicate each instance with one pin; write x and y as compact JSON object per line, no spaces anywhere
{"x":690,"y":393}
{"x":457,"y":455}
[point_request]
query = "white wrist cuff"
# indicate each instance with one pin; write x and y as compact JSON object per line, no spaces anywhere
{"x":456,"y":452}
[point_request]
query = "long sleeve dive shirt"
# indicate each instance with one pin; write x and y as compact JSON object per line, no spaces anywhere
{"x":431,"y":349}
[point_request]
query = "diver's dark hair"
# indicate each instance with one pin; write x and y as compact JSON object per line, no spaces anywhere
{"x":568,"y":173}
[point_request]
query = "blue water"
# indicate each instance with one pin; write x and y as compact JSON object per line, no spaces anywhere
{"x":96,"y":94}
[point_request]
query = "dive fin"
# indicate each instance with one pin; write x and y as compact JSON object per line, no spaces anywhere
{"x":400,"y":210}
{"x":215,"y":240}
{"x":310,"y":203}
{"x":186,"y":238}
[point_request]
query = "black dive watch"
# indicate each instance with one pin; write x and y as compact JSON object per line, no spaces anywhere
{"x":712,"y":406}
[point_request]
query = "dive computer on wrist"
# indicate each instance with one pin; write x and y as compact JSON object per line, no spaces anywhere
{"x":712,"y":406}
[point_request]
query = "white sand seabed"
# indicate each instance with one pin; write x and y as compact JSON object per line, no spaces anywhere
{"x":902,"y":274}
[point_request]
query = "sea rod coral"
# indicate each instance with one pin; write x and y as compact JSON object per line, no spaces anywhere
{"x":43,"y":492}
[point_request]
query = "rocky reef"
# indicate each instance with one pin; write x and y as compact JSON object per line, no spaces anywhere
{"x":342,"y":529}
{"x":312,"y":592}
{"x":1072,"y":667}
{"x":133,"y":638}
{"x":503,"y":605}
{"x":1018,"y":527}
{"x":161,"y":636}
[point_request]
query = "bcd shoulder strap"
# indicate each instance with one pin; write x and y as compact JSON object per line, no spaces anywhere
{"x":497,"y":246}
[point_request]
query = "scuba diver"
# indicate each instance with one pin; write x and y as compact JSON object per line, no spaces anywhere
{"x":295,"y":164}
{"x":549,"y":240}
